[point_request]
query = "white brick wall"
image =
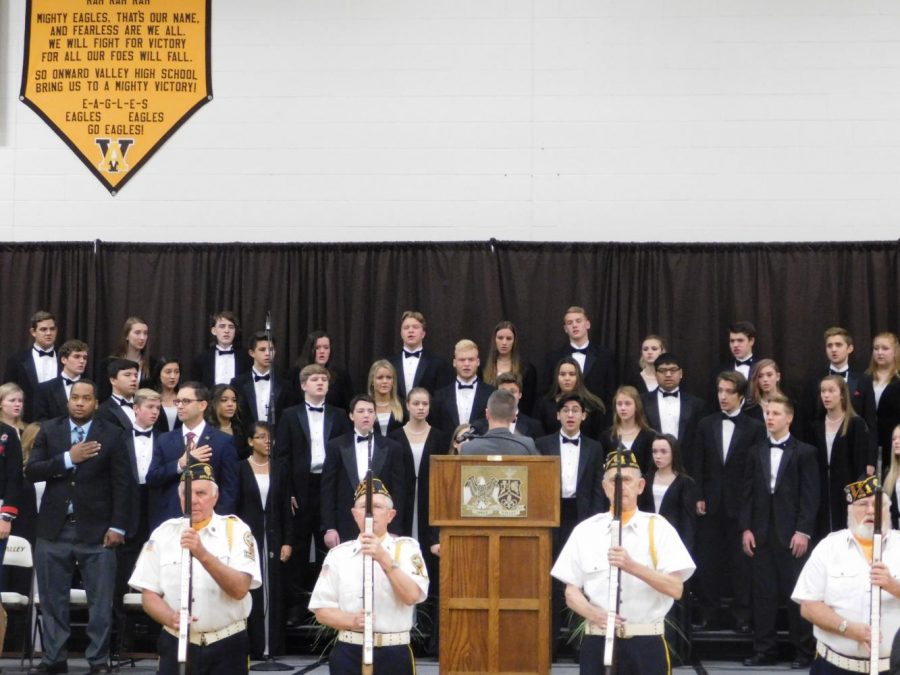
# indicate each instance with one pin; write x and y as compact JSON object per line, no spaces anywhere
{"x":337,"y":120}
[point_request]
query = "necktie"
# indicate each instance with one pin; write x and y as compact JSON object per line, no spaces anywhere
{"x":257,"y":378}
{"x":842,"y":373}
{"x":573,"y":441}
{"x":225,"y":352}
{"x":460,"y":385}
{"x":411,"y":355}
{"x":669,"y":393}
{"x":124,"y":403}
{"x":41,"y":352}
{"x":781,"y":445}
{"x":313,"y":408}
{"x":363,"y":439}
{"x":576,"y":350}
{"x":189,"y":440}
{"x":147,"y":433}
{"x":79,"y":434}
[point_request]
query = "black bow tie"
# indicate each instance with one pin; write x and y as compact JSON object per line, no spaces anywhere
{"x":313,"y":408}
{"x":411,"y":355}
{"x":747,"y":362}
{"x":225,"y":352}
{"x":257,"y":378}
{"x":68,"y":381}
{"x":669,"y":393}
{"x":41,"y":352}
{"x":124,"y":403}
{"x":842,"y":373}
{"x":460,"y":385}
{"x":576,"y":350}
{"x":781,"y":445}
{"x":363,"y":439}
{"x":147,"y":433}
{"x":573,"y":441}
{"x":727,"y":418}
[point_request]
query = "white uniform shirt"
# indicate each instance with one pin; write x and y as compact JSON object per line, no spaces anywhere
{"x":158,"y":569}
{"x":340,"y":583}
{"x":584,"y":563}
{"x":837,"y":573}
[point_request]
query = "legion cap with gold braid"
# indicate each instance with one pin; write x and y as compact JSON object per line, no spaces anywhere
{"x":200,"y":471}
{"x":864,"y":487}
{"x":621,"y":457}
{"x":378,"y":488}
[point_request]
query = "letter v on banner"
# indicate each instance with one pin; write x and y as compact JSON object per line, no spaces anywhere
{"x":115,"y":80}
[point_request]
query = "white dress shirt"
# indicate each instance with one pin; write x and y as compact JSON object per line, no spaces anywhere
{"x":568,"y":460}
{"x":316,"y":437}
{"x":669,"y":412}
{"x":46,"y":367}
{"x":410,"y":366}
{"x":775,"y":455}
{"x":225,"y":369}
{"x":465,"y":399}
{"x":143,"y":453}
{"x":727,"y":433}
{"x":263,"y":389}
{"x":578,"y":356}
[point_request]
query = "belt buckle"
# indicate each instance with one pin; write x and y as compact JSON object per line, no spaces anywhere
{"x":620,"y":632}
{"x":203,"y":640}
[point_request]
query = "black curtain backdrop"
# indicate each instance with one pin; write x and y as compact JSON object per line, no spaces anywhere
{"x":688,"y":293}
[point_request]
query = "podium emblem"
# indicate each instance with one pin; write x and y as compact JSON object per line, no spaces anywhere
{"x":494,"y":492}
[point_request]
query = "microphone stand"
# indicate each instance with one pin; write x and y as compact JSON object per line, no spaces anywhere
{"x":269,"y":663}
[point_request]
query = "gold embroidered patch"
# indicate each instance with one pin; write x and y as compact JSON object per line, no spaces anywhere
{"x":250,"y":543}
{"x":419,"y":566}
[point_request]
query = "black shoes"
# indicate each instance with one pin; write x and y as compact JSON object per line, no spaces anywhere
{"x":800,"y":662}
{"x":759,"y":659}
{"x":49,"y":668}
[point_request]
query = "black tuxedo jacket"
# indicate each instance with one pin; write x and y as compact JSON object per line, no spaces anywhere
{"x":525,"y":425}
{"x":284,"y":397}
{"x":444,"y":414}
{"x":340,"y":478}
{"x":436,"y":443}
{"x":545,"y":413}
{"x":691,"y":413}
{"x":849,"y":456}
{"x":589,"y":496}
{"x":888,"y":417}
{"x":862,"y":395}
{"x":340,"y":386}
{"x":679,"y":506}
{"x":162,"y":423}
{"x":599,"y":370}
{"x":51,"y":400}
{"x":719,"y":482}
{"x":11,"y":482}
{"x":110,"y":411}
{"x":270,"y":523}
{"x":642,"y":447}
{"x":204,"y":367}
{"x":794,"y":504}
{"x":292,"y":447}
{"x":393,"y":425}
{"x":432,"y":374}
{"x":138,"y":516}
{"x":164,"y":475}
{"x":20,"y":369}
{"x":99,"y":488}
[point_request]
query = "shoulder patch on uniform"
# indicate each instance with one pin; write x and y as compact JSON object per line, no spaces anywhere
{"x":249,"y":546}
{"x":419,"y":566}
{"x":149,"y":546}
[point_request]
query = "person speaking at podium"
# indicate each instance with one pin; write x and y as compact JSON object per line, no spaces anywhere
{"x":501,"y":410}
{"x":400,"y":581}
{"x":651,"y":563}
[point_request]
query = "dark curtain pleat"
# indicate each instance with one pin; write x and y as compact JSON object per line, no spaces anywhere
{"x":688,"y":293}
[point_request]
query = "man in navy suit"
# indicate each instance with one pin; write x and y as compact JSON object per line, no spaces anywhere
{"x":722,"y":449}
{"x":204,"y":443}
{"x":466,"y":399}
{"x":222,"y":361}
{"x":778,"y":518}
{"x":303,"y":432}
{"x":83,"y":517}
{"x":347,"y":459}
{"x":37,"y":364}
{"x":670,"y":410}
{"x":596,"y":361}
{"x":255,"y":386}
{"x":53,"y":395}
{"x":415,"y":365}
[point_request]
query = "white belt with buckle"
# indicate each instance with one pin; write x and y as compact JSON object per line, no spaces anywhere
{"x":208,"y":638}
{"x":629,"y":630}
{"x":854,"y":665}
{"x":381,"y":639}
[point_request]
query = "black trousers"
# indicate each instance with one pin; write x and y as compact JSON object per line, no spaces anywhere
{"x":346,"y":659}
{"x":225,"y":657}
{"x":723,"y":566}
{"x":642,"y":655}
{"x":301,"y":574}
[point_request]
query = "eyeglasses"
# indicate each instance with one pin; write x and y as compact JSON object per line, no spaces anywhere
{"x":184,"y":401}
{"x":668,"y":371}
{"x":571,"y":411}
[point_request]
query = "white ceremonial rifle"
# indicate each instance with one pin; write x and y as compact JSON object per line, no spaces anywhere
{"x":368,"y":651}
{"x":875,"y":609}
{"x":184,"y":612}
{"x":612,"y":598}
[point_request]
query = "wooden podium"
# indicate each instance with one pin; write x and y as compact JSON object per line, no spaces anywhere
{"x":496,"y":550}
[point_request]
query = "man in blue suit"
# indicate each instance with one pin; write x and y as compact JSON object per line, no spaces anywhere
{"x":205,"y":444}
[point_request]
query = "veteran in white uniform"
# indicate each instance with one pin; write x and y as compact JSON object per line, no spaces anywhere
{"x":654,"y":564}
{"x":225,"y":568}
{"x":400,"y":582}
{"x":835,"y":587}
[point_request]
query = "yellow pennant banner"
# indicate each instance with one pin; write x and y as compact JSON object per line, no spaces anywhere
{"x":115,"y":78}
